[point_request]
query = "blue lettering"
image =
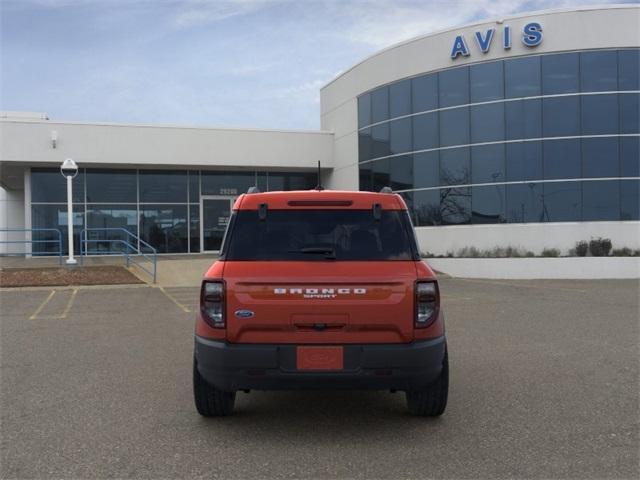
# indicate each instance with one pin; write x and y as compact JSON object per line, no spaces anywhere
{"x":459,"y":47}
{"x":485,"y":42}
{"x":506,"y":38}
{"x":532,"y":34}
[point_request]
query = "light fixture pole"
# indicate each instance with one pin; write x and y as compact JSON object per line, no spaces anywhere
{"x":69,"y":170}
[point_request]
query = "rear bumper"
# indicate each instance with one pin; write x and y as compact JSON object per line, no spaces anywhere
{"x":231,"y":367}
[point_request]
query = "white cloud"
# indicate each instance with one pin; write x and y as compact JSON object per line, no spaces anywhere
{"x":198,"y":12}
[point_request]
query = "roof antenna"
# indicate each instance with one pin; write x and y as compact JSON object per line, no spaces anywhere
{"x":319,"y":187}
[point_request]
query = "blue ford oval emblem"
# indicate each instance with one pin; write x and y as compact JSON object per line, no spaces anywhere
{"x":244,"y":313}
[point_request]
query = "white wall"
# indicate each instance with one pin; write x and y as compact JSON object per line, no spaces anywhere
{"x":11,"y":216}
{"x":529,"y":236}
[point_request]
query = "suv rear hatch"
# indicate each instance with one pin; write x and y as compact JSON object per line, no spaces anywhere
{"x":319,"y":276}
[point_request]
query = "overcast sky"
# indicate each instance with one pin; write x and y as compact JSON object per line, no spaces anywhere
{"x":240,"y":63}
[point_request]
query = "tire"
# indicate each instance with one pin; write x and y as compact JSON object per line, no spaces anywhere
{"x":211,"y":402}
{"x":432,"y":401}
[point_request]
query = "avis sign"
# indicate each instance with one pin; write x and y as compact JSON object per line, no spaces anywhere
{"x":531,"y":37}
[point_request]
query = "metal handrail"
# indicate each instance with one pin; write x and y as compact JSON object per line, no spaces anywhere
{"x":149,"y":256}
{"x":32,"y":241}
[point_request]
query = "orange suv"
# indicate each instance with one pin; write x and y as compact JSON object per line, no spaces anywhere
{"x":320,"y":290}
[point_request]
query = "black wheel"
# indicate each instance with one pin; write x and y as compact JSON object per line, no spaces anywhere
{"x":211,"y":402}
{"x":432,"y":401}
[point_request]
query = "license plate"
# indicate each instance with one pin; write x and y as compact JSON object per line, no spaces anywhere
{"x":320,"y":358}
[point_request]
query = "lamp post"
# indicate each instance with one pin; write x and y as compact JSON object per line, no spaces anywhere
{"x":69,"y":170}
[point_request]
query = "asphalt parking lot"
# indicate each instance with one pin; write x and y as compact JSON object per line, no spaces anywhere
{"x":96,"y":382}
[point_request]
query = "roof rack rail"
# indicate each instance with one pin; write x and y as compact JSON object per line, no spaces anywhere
{"x":253,"y":190}
{"x":386,"y":190}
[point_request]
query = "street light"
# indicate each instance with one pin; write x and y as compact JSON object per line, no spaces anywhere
{"x":69,"y":170}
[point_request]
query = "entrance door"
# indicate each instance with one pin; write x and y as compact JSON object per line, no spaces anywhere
{"x":214,"y":216}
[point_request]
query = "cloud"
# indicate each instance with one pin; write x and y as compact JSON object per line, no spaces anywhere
{"x":198,"y":12}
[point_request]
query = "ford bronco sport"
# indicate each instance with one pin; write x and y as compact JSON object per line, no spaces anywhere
{"x":320,"y":290}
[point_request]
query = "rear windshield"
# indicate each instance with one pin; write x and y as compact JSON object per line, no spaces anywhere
{"x":319,"y":235}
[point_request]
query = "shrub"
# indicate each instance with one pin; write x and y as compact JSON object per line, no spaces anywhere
{"x":529,"y":253}
{"x":600,"y":247}
{"x":625,"y":252}
{"x":582,"y":247}
{"x":550,"y":252}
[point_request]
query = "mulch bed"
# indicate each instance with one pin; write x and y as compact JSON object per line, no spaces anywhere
{"x":63,"y":276}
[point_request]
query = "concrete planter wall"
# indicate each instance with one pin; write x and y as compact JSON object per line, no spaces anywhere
{"x":532,"y":268}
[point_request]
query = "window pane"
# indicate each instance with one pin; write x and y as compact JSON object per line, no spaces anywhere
{"x":601,"y":200}
{"x":165,"y":186}
{"x":629,"y":112}
{"x":112,"y":186}
{"x":48,"y":185}
{"x":194,"y":228}
{"x":380,"y":141}
{"x":424,"y":93}
{"x":55,"y":216}
{"x":560,"y":73}
{"x":561,"y":116}
{"x":292,"y":181}
{"x":629,"y":69}
{"x":400,"y":98}
{"x":488,"y":204}
{"x":454,"y":87}
{"x":165,"y":227}
{"x":562,"y":202}
{"x":365,"y":145}
{"x":426,"y":169}
{"x":524,"y":203}
{"x":454,"y":166}
{"x":487,"y":82}
{"x":629,"y":200}
{"x":123,"y":217}
{"x":194,"y":186}
{"x":522,"y":77}
{"x":599,"y":114}
{"x":380,"y":105}
{"x":454,"y":127}
{"x":400,"y":133}
{"x":231,"y":183}
{"x":426,"y":208}
{"x":401,"y":172}
{"x":523,"y":119}
{"x":600,"y":157}
{"x":455,"y":205}
{"x":487,"y":164}
{"x":425,"y":131}
{"x":630,"y":157}
{"x":524,"y":161}
{"x":263,"y":183}
{"x":381,"y":174}
{"x":599,"y":71}
{"x":487,"y":123}
{"x":364,"y":110}
{"x":561,"y":159}
{"x":366,"y":178}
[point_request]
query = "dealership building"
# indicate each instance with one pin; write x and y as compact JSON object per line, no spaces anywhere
{"x":520,"y":131}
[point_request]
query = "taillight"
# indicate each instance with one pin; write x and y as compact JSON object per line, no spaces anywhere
{"x":427,"y":303}
{"x":212,"y":303}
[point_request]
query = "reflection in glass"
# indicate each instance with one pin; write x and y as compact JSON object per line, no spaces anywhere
{"x":381,"y":174}
{"x":425,"y":131}
{"x":561,"y":159}
{"x":194,"y":228}
{"x":522,"y":77}
{"x":380,"y":140}
{"x":55,"y":216}
{"x":112,"y":186}
{"x":366,"y":178}
{"x":487,"y":123}
{"x":401,"y":172}
{"x":380,"y":105}
{"x":560,"y":73}
{"x":194,"y":186}
{"x":365,"y":145}
{"x":227,"y":183}
{"x":561,"y":116}
{"x":424,"y":93}
{"x":165,"y":227}
{"x":454,"y":87}
{"x":48,"y":185}
{"x":523,"y":119}
{"x":524,"y":203}
{"x":166,"y":186}
{"x":630,"y":157}
{"x":400,"y":98}
{"x":601,"y":200}
{"x":629,"y":69}
{"x":426,"y":208}
{"x":111,"y":216}
{"x":487,"y":81}
{"x":364,"y":110}
{"x":630,"y":200}
{"x":524,"y":161}
{"x":599,"y":114}
{"x":426,"y":169}
{"x":215,"y":217}
{"x":455,"y":167}
{"x":600,"y":157}
{"x":488,"y":204}
{"x":487,"y":164}
{"x":599,"y":71}
{"x":400,"y":135}
{"x":629,"y":113}
{"x":454,"y":127}
{"x":455,"y":205}
{"x":292,"y":181}
{"x":562,"y":201}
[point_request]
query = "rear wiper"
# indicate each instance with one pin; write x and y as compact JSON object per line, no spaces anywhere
{"x":328,"y":252}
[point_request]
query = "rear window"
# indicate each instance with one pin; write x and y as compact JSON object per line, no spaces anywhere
{"x":319,"y":235}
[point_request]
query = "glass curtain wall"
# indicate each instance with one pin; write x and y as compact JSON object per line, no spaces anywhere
{"x":541,"y":138}
{"x":162,"y":207}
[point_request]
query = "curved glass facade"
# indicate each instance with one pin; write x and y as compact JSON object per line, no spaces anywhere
{"x":541,"y":138}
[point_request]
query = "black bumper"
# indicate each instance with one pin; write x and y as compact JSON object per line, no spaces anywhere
{"x":231,"y":367}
